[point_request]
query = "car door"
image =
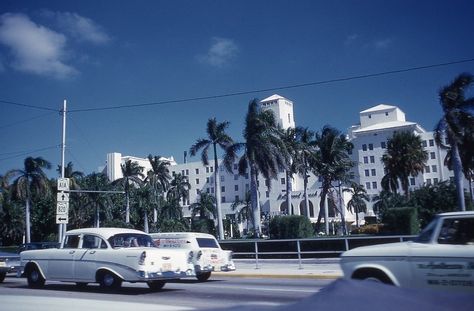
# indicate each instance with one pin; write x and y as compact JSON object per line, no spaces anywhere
{"x":61,"y":265}
{"x":448,"y":263}
{"x":85,"y":259}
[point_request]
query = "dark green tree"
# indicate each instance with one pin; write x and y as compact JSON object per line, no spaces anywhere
{"x":159,"y":179}
{"x":31,"y":181}
{"x":132,"y":176}
{"x":357,"y":204}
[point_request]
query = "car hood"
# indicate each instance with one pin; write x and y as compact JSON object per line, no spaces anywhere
{"x":389,"y":249}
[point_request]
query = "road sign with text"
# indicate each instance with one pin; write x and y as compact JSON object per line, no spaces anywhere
{"x":63,"y":197}
{"x":62,"y":219}
{"x":63,"y":184}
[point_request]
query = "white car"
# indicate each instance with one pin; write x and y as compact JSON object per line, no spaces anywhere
{"x":9,"y":263}
{"x":208,"y":255}
{"x":441,"y":257}
{"x":107,"y":256}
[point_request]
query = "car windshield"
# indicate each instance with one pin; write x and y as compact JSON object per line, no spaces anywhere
{"x":427,"y":233}
{"x":131,"y":240}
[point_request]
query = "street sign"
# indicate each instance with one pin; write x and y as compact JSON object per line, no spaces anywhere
{"x":62,"y":219}
{"x":63,"y":197}
{"x":63,"y":184}
{"x":62,"y":208}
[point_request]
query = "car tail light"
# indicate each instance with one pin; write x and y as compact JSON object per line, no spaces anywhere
{"x":199,"y":254}
{"x":190,"y":257}
{"x":141,"y":261}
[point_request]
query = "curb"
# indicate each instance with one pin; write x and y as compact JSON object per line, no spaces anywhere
{"x":279,"y":276}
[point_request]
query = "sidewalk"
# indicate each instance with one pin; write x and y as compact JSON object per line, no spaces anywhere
{"x":326,"y":268}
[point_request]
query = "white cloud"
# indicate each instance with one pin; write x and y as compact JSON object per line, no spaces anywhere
{"x":351,"y":39}
{"x":81,"y":28}
{"x":220,"y":53}
{"x":35,"y":48}
{"x":382,"y":44}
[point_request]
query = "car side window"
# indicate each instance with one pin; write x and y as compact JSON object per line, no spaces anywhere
{"x":91,"y":241}
{"x":457,"y":231}
{"x":71,"y":241}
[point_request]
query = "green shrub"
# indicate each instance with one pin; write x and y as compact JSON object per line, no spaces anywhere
{"x":204,"y":226}
{"x":401,"y":220}
{"x":290,"y":227}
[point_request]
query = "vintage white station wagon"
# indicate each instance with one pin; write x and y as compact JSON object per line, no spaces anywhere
{"x":441,"y":257}
{"x":107,"y":256}
{"x":208,"y":255}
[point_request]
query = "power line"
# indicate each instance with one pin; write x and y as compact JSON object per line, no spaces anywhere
{"x":26,"y":152}
{"x":28,"y":106}
{"x":370,"y":75}
{"x":25,"y":120}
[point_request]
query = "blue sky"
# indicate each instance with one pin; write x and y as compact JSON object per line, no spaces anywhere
{"x":99,"y":54}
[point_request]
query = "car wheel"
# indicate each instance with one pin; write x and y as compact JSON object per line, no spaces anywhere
{"x":202,"y":277}
{"x":109,"y":281}
{"x":35,"y":279}
{"x":372,"y":275}
{"x":2,"y":276}
{"x":156,"y":285}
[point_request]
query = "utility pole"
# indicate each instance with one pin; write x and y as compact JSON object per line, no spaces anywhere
{"x":62,"y":227}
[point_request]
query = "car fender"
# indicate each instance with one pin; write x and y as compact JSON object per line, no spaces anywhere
{"x":379,"y":267}
{"x":110,"y":270}
{"x":33,"y":263}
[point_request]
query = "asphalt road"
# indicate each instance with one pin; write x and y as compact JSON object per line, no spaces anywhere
{"x":218,"y":293}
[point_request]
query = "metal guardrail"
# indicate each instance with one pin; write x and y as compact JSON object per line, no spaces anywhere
{"x":300,"y":248}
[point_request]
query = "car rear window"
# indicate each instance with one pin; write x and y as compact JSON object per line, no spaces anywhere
{"x":205,"y":242}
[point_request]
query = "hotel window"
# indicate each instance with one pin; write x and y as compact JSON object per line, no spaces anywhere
{"x":212,"y":179}
{"x":222,"y":178}
{"x":367,"y":173}
{"x":371,"y":146}
{"x":372,"y":159}
{"x":246,"y":187}
{"x":383,"y":145}
{"x":435,"y":180}
{"x":235,"y":166}
{"x":374,"y":185}
{"x":207,"y":179}
{"x":267,"y":183}
{"x":198,"y":191}
{"x":212,"y":169}
{"x":366,"y":160}
{"x":367,"y":185}
{"x":374,"y":173}
{"x":236,"y":187}
{"x":208,"y":190}
{"x":431,"y":142}
{"x":432,"y":155}
{"x":428,"y":181}
{"x":267,"y":194}
{"x":237,"y":198}
{"x":212,"y":189}
{"x":197,"y":181}
{"x":364,"y":147}
{"x":236,"y":176}
{"x":427,"y":169}
{"x":222,"y":199}
{"x":197,"y":171}
{"x":187,"y":172}
{"x":182,"y":172}
{"x":282,"y":180}
{"x":289,"y":118}
{"x":207,"y":169}
{"x":221,"y":168}
{"x":412,"y":181}
{"x":246,"y":175}
{"x":223,"y":189}
{"x":424,"y":143}
{"x":434,"y":168}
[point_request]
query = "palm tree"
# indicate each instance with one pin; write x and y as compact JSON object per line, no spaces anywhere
{"x":331,"y":162}
{"x":245,"y":211}
{"x":179,"y":189}
{"x":357,"y":203}
{"x":457,"y":117}
{"x":306,"y":151}
{"x":216,"y":137}
{"x":144,"y":198}
{"x":159,"y":178}
{"x":132,"y":175}
{"x":264,"y":153}
{"x":30,"y":181}
{"x":96,"y":200}
{"x":205,"y":207}
{"x":404,"y":157}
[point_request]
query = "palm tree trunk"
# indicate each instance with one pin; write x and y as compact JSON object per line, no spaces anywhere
{"x":145,"y":222}
{"x":217,"y":184}
{"x":97,"y":216}
{"x":288,"y":192}
{"x":458,"y":178}
{"x":254,"y":200}
{"x":27,"y":222}
{"x":127,"y":209}
{"x":306,"y":200}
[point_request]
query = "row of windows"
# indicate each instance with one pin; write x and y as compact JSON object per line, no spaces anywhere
{"x":371,"y":172}
{"x":430,"y":142}
{"x":383,"y":145}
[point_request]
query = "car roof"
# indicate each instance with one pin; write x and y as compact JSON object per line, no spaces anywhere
{"x":181,"y":235}
{"x":105,"y":232}
{"x":461,"y":213}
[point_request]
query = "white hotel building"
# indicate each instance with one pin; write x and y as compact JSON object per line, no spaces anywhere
{"x":369,"y":138}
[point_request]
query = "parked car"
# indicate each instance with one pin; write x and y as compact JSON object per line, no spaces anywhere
{"x":37,"y":245}
{"x":107,"y":256}
{"x":9,"y":263}
{"x":441,"y":257}
{"x":208,"y":255}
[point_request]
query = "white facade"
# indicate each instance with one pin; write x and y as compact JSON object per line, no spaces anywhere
{"x":377,"y":126}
